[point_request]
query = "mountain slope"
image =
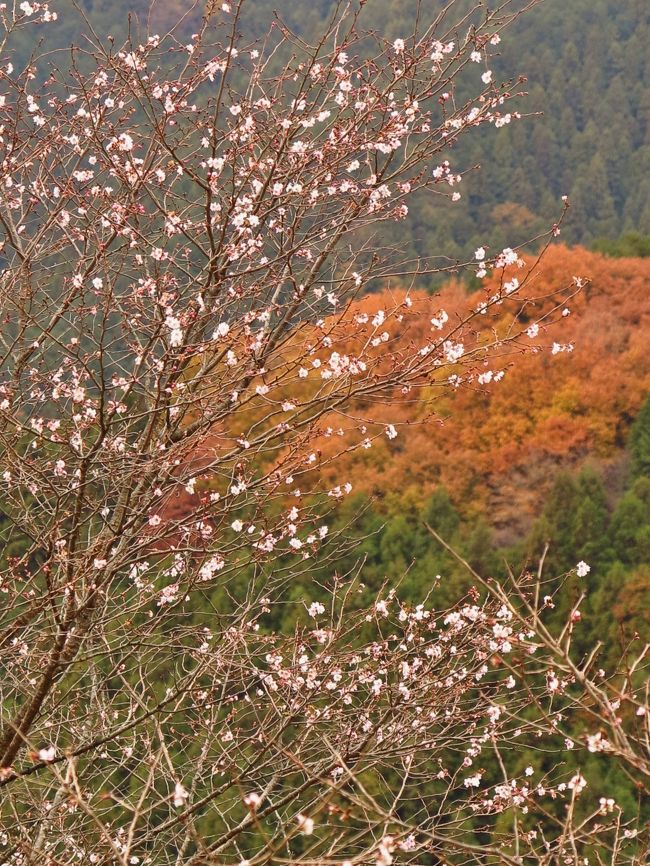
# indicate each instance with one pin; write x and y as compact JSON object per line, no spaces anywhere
{"x":587,"y":68}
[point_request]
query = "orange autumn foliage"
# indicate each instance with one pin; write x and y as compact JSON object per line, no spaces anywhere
{"x":496,"y":447}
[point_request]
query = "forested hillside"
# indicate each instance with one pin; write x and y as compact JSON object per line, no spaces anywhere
{"x":325,"y":517}
{"x":550,"y":444}
{"x":587,"y":66}
{"x":571,"y":395}
{"x":549,"y":462}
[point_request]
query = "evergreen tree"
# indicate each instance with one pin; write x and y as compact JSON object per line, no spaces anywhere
{"x":586,"y":62}
{"x":630,"y":516}
{"x":599,"y":625}
{"x":591,"y":519}
{"x":641,"y":489}
{"x":592,"y":199}
{"x":639,"y":442}
{"x":555,"y":526}
{"x":479,"y":549}
{"x":441,"y":515}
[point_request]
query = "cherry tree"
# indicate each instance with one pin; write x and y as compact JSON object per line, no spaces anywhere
{"x":186,"y":229}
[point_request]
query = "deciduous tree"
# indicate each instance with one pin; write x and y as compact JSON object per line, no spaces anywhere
{"x":184,"y":229}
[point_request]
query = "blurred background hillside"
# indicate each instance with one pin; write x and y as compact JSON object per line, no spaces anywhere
{"x":587,"y":70}
{"x":559,"y":452}
{"x":549,"y":455}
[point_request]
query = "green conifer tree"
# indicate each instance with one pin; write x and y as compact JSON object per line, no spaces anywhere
{"x":591,"y":519}
{"x":639,"y":442}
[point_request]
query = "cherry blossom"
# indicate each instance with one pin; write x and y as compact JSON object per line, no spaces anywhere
{"x":190,"y":225}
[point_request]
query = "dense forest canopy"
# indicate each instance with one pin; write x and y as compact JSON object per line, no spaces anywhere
{"x":586,"y":66}
{"x":352,"y":572}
